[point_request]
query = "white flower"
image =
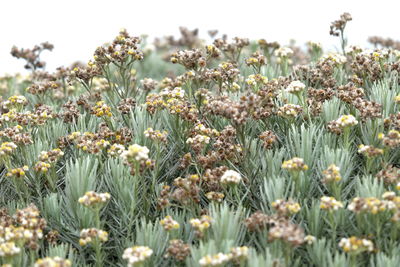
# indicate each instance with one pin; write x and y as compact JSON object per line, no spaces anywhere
{"x":116,"y":149}
{"x":295,"y":87}
{"x":283,"y":52}
{"x":363,"y":148}
{"x":368,"y":244}
{"x":198,"y":139}
{"x":356,"y":49}
{"x":28,"y":234}
{"x":251,"y":81}
{"x":214,"y":260}
{"x":136,"y":254}
{"x":335,"y":58}
{"x":92,"y":198}
{"x":200,"y":128}
{"x":309,"y":239}
{"x":148,"y":131}
{"x":329,"y":203}
{"x":240,"y":252}
{"x":53,"y":262}
{"x":8,"y":249}
{"x":178,"y":92}
{"x":289,"y":110}
{"x":389,"y":195}
{"x":231,"y":177}
{"x":136,"y":152}
{"x":346,"y":121}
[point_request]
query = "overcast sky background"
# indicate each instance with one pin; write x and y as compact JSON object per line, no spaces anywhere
{"x":77,"y":27}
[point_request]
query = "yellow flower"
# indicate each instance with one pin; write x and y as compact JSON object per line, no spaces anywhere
{"x":295,"y":164}
{"x":169,"y":224}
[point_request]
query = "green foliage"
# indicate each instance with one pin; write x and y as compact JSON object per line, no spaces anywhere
{"x":239,"y":169}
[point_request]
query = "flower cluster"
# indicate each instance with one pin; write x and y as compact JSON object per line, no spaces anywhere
{"x":257,"y":60}
{"x":178,"y":250}
{"x":391,"y":140}
{"x":331,"y":174}
{"x":283,"y":52}
{"x":32,"y":56}
{"x":123,"y":48}
{"x":286,"y":208}
{"x":309,"y":239}
{"x":92,"y":235}
{"x":47,"y":159}
{"x":126,"y":105}
{"x":330,"y":203}
{"x":370,"y":205}
{"x":346,"y":121}
{"x":214,"y":260}
{"x":53,"y":262}
{"x":135,"y":154}
{"x":187,"y":189}
{"x":290,"y":110}
{"x":93,"y":199}
{"x":16,"y":135}
{"x":137,"y":255}
{"x":17,"y":172}
{"x":231,"y":177}
{"x":215,"y":196}
{"x":295,"y":165}
{"x":7,"y":148}
{"x":9,"y":249}
{"x":390,"y":175}
{"x":15,"y":102}
{"x":38,"y":117}
{"x":24,"y":228}
{"x":116,"y":150}
{"x":239,"y":253}
{"x":258,"y":221}
{"x":51,"y":156}
{"x":156,"y":135}
{"x":287,"y":232}
{"x":169,"y":224}
{"x":355,"y":245}
{"x":198,"y":142}
{"x":137,"y":157}
{"x":295,"y":87}
{"x":256,"y":80}
{"x":201,"y":225}
{"x":42,"y":88}
{"x":369,"y":151}
{"x":92,"y":143}
{"x":338,"y":26}
{"x":268,"y":138}
{"x":101,"y":110}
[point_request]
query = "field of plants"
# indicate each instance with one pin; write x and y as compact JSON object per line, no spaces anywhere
{"x":182,"y":152}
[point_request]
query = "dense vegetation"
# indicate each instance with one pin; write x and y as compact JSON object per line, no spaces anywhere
{"x":178,"y":153}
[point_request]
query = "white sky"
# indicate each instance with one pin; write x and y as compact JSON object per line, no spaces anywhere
{"x":77,"y":27}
